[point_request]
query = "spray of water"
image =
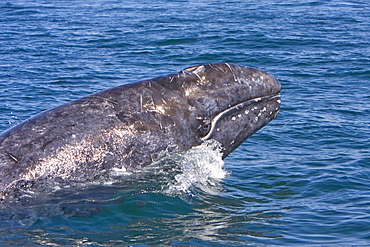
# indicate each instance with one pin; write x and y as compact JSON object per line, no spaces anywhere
{"x":201,"y":166}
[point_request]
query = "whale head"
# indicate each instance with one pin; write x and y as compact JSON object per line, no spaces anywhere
{"x":228,"y":103}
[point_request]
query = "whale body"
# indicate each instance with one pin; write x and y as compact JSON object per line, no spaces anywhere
{"x":130,"y":126}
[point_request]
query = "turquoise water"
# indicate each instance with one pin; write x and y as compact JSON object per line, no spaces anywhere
{"x":304,"y":179}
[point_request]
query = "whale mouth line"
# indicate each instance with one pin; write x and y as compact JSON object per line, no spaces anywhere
{"x":237,"y":107}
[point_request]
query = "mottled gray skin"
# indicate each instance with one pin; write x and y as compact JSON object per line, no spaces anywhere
{"x":130,"y":126}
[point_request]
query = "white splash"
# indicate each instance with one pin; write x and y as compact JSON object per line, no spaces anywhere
{"x":200,"y":166}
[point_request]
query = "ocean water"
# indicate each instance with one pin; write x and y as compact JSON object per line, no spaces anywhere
{"x":304,"y":179}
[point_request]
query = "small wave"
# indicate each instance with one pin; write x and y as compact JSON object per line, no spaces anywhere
{"x":201,"y":166}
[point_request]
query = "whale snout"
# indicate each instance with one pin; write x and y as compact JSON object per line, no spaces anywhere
{"x":238,"y":100}
{"x":258,"y":83}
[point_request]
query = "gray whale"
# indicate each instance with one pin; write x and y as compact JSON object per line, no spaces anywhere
{"x":130,"y":126}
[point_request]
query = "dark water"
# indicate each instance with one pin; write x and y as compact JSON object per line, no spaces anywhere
{"x":303,"y":179}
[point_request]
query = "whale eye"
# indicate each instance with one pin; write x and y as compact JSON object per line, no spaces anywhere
{"x":205,"y":127}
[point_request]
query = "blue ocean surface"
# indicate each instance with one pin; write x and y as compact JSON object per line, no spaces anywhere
{"x":304,"y":179}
